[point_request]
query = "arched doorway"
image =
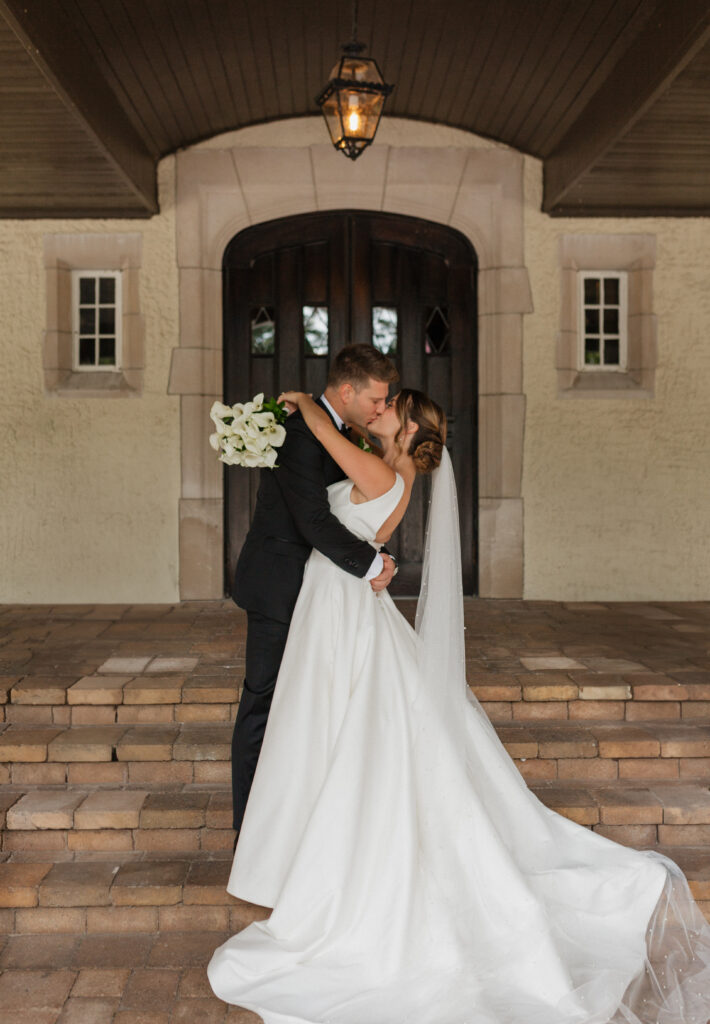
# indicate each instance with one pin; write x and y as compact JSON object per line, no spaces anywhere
{"x":296,"y":290}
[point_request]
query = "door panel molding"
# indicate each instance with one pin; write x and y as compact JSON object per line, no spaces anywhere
{"x":412,"y":265}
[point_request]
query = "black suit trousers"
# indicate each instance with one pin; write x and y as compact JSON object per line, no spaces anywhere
{"x":266,"y":640}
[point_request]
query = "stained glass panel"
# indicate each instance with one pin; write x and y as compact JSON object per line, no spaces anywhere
{"x":385,"y":328}
{"x":436,"y":332}
{"x":315,"y":330}
{"x":263,"y":332}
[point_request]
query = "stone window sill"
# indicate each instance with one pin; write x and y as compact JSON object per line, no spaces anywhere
{"x":601,"y":384}
{"x":94,"y":384}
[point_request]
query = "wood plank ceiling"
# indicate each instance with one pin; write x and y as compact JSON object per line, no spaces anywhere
{"x":613,"y":95}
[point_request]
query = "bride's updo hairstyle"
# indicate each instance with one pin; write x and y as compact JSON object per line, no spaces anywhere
{"x":426,"y":446}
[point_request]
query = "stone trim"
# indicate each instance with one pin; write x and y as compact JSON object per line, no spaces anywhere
{"x":92,"y":251}
{"x":635,"y":254}
{"x":478,"y":191}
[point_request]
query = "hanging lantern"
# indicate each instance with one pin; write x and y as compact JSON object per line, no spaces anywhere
{"x":353,"y":99}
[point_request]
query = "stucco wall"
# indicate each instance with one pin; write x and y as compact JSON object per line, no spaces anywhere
{"x":617,"y":492}
{"x":88,"y":487}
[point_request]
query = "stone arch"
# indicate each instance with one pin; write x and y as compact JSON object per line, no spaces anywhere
{"x":223,"y":187}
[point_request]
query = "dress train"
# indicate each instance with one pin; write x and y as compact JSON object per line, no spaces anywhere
{"x":414,"y":878}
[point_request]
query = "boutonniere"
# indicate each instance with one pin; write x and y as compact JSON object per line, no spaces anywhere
{"x":362,"y":443}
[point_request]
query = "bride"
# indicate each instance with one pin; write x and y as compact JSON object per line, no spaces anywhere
{"x":414,"y":878}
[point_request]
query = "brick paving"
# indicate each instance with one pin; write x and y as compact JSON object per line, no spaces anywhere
{"x":114,"y":758}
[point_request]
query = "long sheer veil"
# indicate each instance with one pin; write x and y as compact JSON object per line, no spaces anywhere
{"x":440,"y":612}
{"x":673,"y":983}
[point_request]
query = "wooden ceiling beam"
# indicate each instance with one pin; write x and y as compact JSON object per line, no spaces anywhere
{"x":668,"y":42}
{"x":52,"y":42}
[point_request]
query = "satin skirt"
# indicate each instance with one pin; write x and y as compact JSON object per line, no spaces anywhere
{"x":414,"y":878}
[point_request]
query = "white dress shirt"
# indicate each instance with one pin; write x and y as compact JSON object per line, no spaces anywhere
{"x":377,"y":562}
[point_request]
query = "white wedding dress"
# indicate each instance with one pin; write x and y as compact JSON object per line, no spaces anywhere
{"x":414,"y":878}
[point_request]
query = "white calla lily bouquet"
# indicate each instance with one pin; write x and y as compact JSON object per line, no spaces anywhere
{"x":248,"y":434}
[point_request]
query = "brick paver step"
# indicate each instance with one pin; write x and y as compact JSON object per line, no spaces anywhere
{"x":149,"y":754}
{"x":160,"y":681}
{"x":70,"y":820}
{"x":109,"y":892}
{"x":115,"y":699}
{"x":135,"y":895}
{"x":117,"y":820}
{"x":212,"y":741}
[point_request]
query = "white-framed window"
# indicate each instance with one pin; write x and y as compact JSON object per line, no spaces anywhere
{"x":603,"y":320}
{"x":96,"y":319}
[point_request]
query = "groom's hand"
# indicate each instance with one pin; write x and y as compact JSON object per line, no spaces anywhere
{"x":385,"y":578}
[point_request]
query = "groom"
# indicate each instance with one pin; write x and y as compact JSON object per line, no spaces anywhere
{"x":292,"y":517}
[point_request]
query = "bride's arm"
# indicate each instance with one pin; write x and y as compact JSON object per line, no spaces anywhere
{"x":369,"y":473}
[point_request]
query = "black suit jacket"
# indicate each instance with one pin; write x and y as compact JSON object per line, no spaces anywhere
{"x":292,"y":517}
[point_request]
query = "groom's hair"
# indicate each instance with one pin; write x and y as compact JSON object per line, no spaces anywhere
{"x":356,"y":364}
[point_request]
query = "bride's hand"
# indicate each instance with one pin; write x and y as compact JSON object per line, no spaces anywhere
{"x":292,"y":399}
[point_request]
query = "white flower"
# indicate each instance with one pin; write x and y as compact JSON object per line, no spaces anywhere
{"x":277,"y":435}
{"x":258,"y":400}
{"x":256,"y":444}
{"x":219,"y":411}
{"x":252,"y":459}
{"x":270,"y":458}
{"x":249,"y":429}
{"x":214,"y":441}
{"x":264,"y":419}
{"x":237,"y":433}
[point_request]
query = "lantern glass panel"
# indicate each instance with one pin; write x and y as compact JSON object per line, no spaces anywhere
{"x":331,"y":112}
{"x":360,"y":69}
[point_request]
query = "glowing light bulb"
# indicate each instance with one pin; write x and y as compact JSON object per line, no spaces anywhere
{"x":354,"y":113}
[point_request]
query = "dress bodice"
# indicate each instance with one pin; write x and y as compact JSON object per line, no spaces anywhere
{"x":366,"y":518}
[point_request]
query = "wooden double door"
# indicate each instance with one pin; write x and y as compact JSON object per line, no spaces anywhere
{"x":297,"y":290}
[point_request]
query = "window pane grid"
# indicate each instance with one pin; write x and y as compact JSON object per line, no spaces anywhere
{"x":602,"y":320}
{"x":97,"y":300}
